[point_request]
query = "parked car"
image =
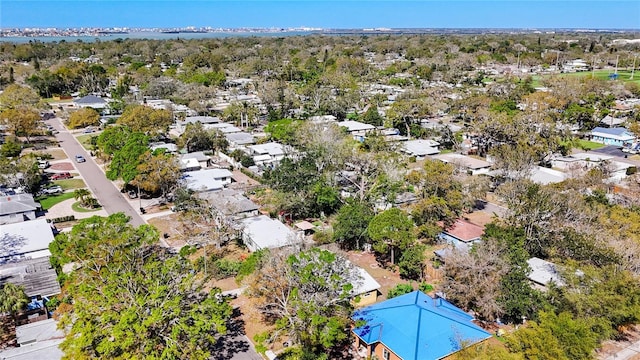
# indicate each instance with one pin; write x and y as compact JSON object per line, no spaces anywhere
{"x":43,"y":164}
{"x":52,"y":190}
{"x":61,"y":176}
{"x":80,"y":159}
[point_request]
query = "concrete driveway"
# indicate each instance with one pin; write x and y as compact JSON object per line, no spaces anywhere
{"x":611,"y":150}
{"x":107,"y":194}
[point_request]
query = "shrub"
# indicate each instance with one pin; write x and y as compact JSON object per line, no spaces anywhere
{"x":250,"y":265}
{"x":398,"y":290}
{"x":323,"y":237}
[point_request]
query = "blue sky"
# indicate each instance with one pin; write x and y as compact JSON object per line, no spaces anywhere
{"x":322,"y":13}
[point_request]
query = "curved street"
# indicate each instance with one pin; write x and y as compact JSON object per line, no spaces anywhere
{"x":104,"y":190}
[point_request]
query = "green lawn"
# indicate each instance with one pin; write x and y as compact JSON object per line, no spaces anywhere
{"x":70,"y":184}
{"x":85,"y":140}
{"x":589,"y":145}
{"x":623,"y":75}
{"x":47,"y":202}
{"x":584,"y":144}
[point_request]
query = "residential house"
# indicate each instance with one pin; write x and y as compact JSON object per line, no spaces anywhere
{"x":323,"y":119}
{"x":207,"y":180}
{"x":17,"y":208}
{"x":25,"y":240}
{"x":168,"y":147}
{"x":230,"y":203}
{"x":462,"y":233}
{"x":365,"y":292}
{"x":238,"y":139}
{"x":543,"y":273}
{"x":201,"y":119}
{"x":420,"y":148}
{"x":38,"y":340}
{"x":267,"y":153}
{"x":414,"y":326}
{"x":576,"y":65}
{"x":544,"y":176}
{"x":91,"y":101}
{"x":229,"y":129}
{"x":262,"y":232}
{"x":611,"y":122}
{"x":584,"y":161}
{"x":194,"y":161}
{"x":466,"y":163}
{"x":617,"y":136}
{"x":357,"y":129}
{"x":36,"y":276}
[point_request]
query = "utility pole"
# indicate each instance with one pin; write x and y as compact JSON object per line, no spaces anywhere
{"x":617,"y":58}
{"x":558,"y":60}
{"x":593,"y":67}
{"x":633,"y":68}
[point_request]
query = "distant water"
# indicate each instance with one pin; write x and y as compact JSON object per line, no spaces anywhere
{"x":150,"y":36}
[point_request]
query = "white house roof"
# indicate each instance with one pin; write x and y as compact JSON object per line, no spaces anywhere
{"x":240,"y":138}
{"x":543,"y":272}
{"x":544,"y":176}
{"x":168,"y":147}
{"x":18,"y":203}
{"x":356,"y":126}
{"x":322,"y":119}
{"x":260,"y":158}
{"x":220,"y":125}
{"x":26,"y":239}
{"x":611,"y":121}
{"x":202,"y":119}
{"x":465,"y":161}
{"x":204,"y":180}
{"x":271,"y":148}
{"x":189,"y":163}
{"x":198,"y":155}
{"x":38,"y":340}
{"x":268,"y":233}
{"x":230,"y":129}
{"x":421,"y":147}
{"x":367,"y":283}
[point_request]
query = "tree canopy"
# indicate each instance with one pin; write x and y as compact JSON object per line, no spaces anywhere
{"x":306,"y":295}
{"x":132,"y":299}
{"x":141,"y":118}
{"x":83,"y":118}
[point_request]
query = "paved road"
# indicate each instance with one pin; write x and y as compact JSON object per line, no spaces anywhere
{"x":107,"y":194}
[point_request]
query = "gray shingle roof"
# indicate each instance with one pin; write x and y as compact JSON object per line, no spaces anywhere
{"x":35,"y":275}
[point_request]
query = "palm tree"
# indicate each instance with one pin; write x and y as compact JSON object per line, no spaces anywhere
{"x":90,"y":202}
{"x":81,"y":195}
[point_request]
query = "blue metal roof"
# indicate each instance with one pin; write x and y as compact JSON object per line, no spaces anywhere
{"x":416,"y":326}
{"x":619,"y":131}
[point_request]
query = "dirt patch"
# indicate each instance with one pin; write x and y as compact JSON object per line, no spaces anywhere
{"x":385,"y":277}
{"x":226,"y":284}
{"x":62,"y":166}
{"x":243,"y":179}
{"x":170,"y":225}
{"x":479,"y":218}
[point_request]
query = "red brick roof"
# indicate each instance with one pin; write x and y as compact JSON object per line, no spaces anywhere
{"x":465,"y":231}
